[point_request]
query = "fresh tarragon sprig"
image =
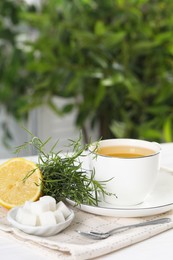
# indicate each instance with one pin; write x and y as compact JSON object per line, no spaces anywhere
{"x":63,"y":176}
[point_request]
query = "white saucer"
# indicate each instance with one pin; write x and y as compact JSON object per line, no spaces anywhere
{"x":159,"y":201}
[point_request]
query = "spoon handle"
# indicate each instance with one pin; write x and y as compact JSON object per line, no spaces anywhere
{"x":147,"y":223}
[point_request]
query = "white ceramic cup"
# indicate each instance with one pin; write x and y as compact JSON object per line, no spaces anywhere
{"x":131,"y":179}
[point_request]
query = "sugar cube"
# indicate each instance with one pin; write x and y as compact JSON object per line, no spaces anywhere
{"x":47,"y":218}
{"x":27,"y":205}
{"x":24,"y":217}
{"x":59,"y":216}
{"x":63,"y":208}
{"x":39,"y":207}
{"x":50,"y":200}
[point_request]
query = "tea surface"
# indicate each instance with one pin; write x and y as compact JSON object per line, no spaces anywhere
{"x":124,"y":151}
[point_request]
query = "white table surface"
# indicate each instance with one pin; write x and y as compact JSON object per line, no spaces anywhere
{"x":159,"y":247}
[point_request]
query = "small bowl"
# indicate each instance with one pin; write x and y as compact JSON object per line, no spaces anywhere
{"x":44,"y":231}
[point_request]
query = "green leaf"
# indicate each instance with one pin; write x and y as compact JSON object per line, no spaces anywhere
{"x":100,"y":28}
{"x":114,"y":38}
{"x":100,"y":95}
{"x":167,"y":130}
{"x":118,"y":129}
{"x":145,"y":45}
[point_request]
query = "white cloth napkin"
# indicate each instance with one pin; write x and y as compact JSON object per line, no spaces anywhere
{"x":70,"y":245}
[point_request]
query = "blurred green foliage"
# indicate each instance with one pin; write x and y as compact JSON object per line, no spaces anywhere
{"x":114,"y":57}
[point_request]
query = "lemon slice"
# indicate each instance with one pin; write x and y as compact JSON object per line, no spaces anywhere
{"x":20,"y":181}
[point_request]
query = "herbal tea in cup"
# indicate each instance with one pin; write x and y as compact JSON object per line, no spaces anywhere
{"x":131,"y":167}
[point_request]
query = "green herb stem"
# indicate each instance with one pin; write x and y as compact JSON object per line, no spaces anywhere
{"x":63,"y":176}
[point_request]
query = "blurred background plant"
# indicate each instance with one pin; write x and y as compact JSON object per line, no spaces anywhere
{"x":112,"y":61}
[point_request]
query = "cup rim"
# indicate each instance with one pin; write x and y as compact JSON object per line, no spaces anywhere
{"x":123,"y":140}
